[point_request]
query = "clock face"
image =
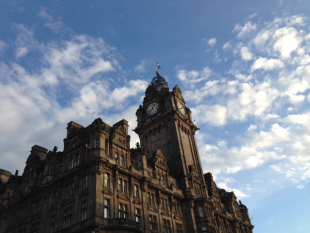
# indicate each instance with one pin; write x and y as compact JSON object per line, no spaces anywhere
{"x":152,"y":108}
{"x":181,"y":108}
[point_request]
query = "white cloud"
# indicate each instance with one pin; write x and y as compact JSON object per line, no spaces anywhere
{"x":141,"y":67}
{"x":212,"y":42}
{"x":3,"y":46}
{"x":43,"y":14}
{"x":287,"y":40}
{"x":227,"y":46}
{"x":245,"y":30}
{"x":266,"y":64}
{"x":214,"y":114}
{"x":194,"y":76}
{"x":245,"y":54}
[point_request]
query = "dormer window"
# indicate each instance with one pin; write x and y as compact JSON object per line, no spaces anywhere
{"x":140,"y":165}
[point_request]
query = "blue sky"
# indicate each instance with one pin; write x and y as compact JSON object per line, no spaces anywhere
{"x":243,"y":67}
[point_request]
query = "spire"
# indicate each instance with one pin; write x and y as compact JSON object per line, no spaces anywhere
{"x":158,"y":82}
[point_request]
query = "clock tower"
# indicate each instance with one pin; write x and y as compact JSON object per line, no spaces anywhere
{"x":165,"y":123}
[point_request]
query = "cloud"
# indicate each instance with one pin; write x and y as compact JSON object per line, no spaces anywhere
{"x":141,"y":67}
{"x":71,"y":81}
{"x":245,"y":54}
{"x":194,"y":76}
{"x":43,"y":14}
{"x":212,"y":42}
{"x":3,"y":46}
{"x":266,"y":64}
{"x":214,"y":114}
{"x":245,"y":30}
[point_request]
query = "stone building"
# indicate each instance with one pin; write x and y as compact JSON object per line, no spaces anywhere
{"x":98,"y":184}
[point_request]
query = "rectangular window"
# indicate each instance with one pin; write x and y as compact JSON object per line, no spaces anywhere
{"x":70,"y":189}
{"x":35,"y":228}
{"x":52,"y":224}
{"x":11,"y":193}
{"x":122,"y":211}
{"x":67,"y":218}
{"x":50,"y":170}
{"x":55,"y":196}
{"x":200,"y":210}
{"x":164,"y":203}
{"x":136,"y":190}
{"x":148,"y":195}
{"x":153,"y":222}
{"x":120,"y":185}
{"x":107,"y":180}
{"x":140,"y":165}
{"x":106,"y":211}
{"x":97,"y":143}
{"x":167,"y":227}
{"x":138,"y":215}
{"x":84,"y":210}
{"x":125,"y":186}
{"x":152,"y":199}
{"x":177,"y":208}
{"x":85,"y":182}
{"x":179,"y":228}
{"x":204,"y":229}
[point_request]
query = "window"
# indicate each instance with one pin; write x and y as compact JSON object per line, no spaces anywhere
{"x":167,"y":228}
{"x":71,"y":165}
{"x":200,"y":210}
{"x":162,"y":180}
{"x":152,"y":199}
{"x":107,"y":180}
{"x":136,"y":191}
{"x":55,"y":196}
{"x":23,"y":230}
{"x":138,"y":215}
{"x":140,"y":165}
{"x":106,"y":210}
{"x":67,"y":218}
{"x":177,"y":208}
{"x":125,"y":186}
{"x":11,"y":193}
{"x":204,"y":229}
{"x":78,"y":157}
{"x":122,"y":211}
{"x":50,"y":170}
{"x":97,"y":143}
{"x":52,"y":224}
{"x":35,"y":227}
{"x":179,"y":228}
{"x":148,"y":196}
{"x":164,"y":203}
{"x":85,"y":182}
{"x":153,"y":222}
{"x":122,"y":160}
{"x":84,"y":210}
{"x":70,"y":189}
{"x":122,"y":185}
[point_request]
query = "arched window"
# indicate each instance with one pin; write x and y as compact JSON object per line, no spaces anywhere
{"x":122,"y":160}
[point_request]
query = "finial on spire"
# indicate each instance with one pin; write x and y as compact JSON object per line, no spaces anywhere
{"x":157,"y":68}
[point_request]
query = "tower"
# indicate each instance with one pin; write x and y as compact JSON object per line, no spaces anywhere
{"x":165,"y":124}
